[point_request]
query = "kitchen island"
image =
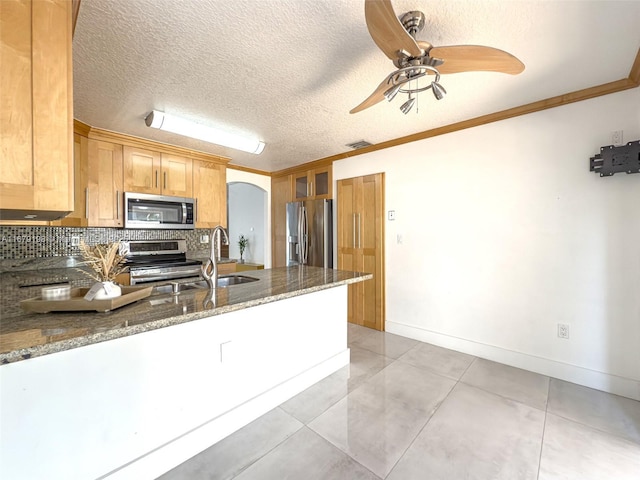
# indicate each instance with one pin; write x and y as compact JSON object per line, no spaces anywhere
{"x":136,"y":391}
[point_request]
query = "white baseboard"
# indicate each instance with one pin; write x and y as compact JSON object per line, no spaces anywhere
{"x":174,"y":453}
{"x":625,"y":387}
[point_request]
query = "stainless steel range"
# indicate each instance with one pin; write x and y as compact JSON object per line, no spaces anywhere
{"x":156,"y":260}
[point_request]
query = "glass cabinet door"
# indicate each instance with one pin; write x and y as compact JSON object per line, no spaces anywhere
{"x":312,"y":184}
{"x":321,"y":184}
{"x":301,"y":187}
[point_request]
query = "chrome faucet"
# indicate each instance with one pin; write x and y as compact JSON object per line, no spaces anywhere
{"x":209,"y":270}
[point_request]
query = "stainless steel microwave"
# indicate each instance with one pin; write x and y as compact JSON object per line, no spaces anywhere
{"x":158,"y":211}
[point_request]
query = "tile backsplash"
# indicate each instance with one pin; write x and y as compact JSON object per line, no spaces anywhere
{"x":20,"y":243}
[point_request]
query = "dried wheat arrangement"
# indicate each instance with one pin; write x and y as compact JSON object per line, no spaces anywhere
{"x":104,"y":260}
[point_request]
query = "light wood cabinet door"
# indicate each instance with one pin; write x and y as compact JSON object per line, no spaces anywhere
{"x":210,"y":192}
{"x":312,"y":184}
{"x":227,"y":268}
{"x":36,"y":119}
{"x":361,"y":245}
{"x":177,"y":176}
{"x":79,"y":216}
{"x":146,"y":171}
{"x":105,"y":184}
{"x":141,"y":170}
{"x":280,"y":195}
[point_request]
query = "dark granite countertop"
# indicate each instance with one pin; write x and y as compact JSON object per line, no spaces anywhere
{"x":26,"y":335}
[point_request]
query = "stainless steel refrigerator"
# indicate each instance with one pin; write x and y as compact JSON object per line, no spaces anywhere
{"x":310,"y":233}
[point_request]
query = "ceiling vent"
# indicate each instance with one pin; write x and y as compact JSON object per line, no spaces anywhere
{"x":360,"y":144}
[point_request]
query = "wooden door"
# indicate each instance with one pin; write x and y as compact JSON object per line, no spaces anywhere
{"x":347,"y":248}
{"x":210,"y":192}
{"x":141,"y":170}
{"x":176,"y":177}
{"x":280,"y":195}
{"x":371,"y":252}
{"x":105,"y":184}
{"x":361,"y":245}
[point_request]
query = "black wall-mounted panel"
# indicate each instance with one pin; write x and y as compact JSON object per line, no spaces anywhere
{"x":612,"y":159}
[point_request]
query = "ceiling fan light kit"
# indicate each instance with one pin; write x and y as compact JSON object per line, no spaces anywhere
{"x":187,"y":128}
{"x":406,"y":80}
{"x":415,"y":59}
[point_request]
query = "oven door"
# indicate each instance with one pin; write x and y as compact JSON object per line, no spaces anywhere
{"x":150,"y":274}
{"x":158,"y":211}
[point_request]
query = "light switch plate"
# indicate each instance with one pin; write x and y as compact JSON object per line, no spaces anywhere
{"x":391,"y":215}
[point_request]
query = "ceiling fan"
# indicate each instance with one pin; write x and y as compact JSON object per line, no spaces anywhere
{"x":415,"y":59}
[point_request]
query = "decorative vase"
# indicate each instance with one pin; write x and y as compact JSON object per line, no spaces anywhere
{"x":241,"y":259}
{"x":109,"y":290}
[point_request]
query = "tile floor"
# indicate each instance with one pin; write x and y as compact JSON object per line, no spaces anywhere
{"x":407,"y":410}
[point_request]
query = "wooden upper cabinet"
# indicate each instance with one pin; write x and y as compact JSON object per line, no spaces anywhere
{"x":312,"y":184}
{"x":79,"y":217}
{"x":141,"y":170}
{"x":146,"y":171}
{"x":177,"y":176}
{"x":210,"y":192}
{"x":36,"y":119}
{"x":105,"y":184}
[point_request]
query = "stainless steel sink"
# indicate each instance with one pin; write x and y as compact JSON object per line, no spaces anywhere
{"x":228,"y":280}
{"x":223,"y":281}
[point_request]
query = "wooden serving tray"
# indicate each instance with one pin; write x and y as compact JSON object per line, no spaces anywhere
{"x":77,"y":302}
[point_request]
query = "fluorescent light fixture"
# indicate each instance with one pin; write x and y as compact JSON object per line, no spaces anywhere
{"x":178,"y":125}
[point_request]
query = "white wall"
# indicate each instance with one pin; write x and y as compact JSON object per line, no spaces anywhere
{"x":506,"y":233}
{"x":260,"y":248}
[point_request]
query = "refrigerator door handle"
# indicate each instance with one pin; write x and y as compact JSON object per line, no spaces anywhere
{"x":299,"y":247}
{"x":305,"y":237}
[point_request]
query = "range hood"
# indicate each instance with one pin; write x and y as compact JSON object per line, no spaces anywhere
{"x":34,"y":215}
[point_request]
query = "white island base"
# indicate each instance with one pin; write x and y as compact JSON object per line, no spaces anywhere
{"x":137,"y":406}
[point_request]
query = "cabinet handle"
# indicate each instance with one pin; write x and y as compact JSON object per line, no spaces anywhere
{"x":354,"y":230}
{"x":165,"y":180}
{"x":156,"y":178}
{"x":359,"y":231}
{"x":308,"y":189}
{"x":117,"y":205}
{"x":86,"y":202}
{"x":311,"y":189}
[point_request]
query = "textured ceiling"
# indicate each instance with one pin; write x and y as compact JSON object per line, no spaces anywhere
{"x":289,"y":71}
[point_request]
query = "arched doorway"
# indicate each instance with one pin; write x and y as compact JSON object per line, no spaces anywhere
{"x":247,"y":215}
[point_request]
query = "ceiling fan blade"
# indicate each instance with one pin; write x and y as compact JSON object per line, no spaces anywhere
{"x":473,"y":58}
{"x":387,"y":31}
{"x":376,"y":97}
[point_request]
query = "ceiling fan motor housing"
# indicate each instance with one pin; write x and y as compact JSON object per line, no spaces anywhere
{"x":413,"y":22}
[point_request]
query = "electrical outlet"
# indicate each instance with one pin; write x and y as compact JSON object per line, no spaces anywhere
{"x":204,"y":238}
{"x":75,"y":241}
{"x":616,"y":138}
{"x":563,"y":331}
